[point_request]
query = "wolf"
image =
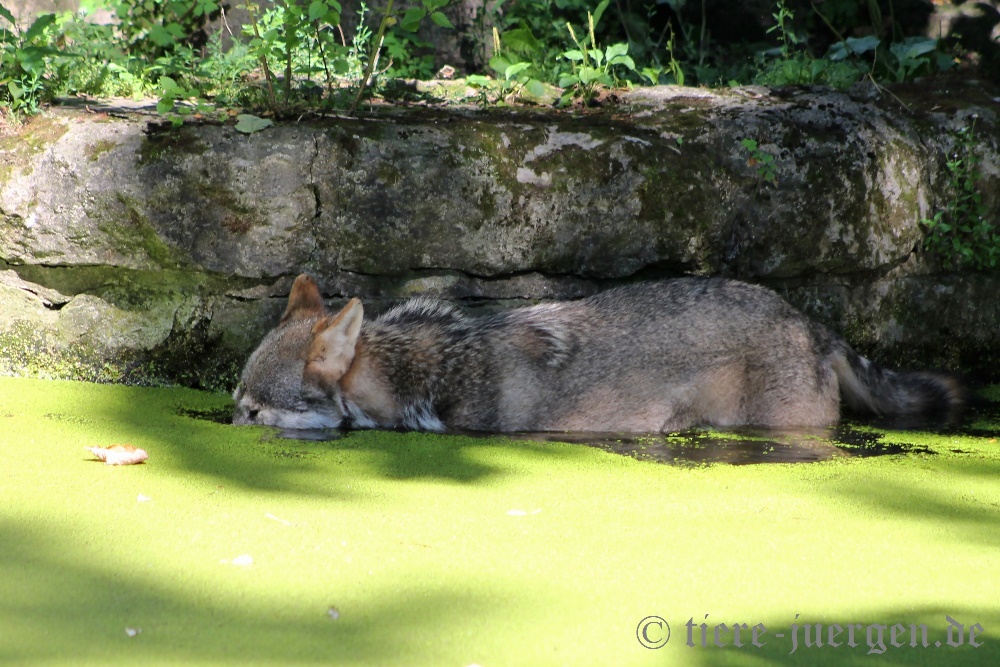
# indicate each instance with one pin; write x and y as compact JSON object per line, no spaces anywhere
{"x":650,"y":357}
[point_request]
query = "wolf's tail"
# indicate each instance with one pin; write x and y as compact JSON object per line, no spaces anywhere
{"x":868,"y":387}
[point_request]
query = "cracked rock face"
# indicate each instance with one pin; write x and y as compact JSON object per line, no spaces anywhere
{"x":140,"y":252}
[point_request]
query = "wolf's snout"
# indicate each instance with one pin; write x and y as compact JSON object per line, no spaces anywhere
{"x":243,"y":415}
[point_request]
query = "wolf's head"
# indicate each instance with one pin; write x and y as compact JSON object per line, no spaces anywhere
{"x":271,"y":390}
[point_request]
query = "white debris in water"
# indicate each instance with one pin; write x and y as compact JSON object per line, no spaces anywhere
{"x":243,"y":560}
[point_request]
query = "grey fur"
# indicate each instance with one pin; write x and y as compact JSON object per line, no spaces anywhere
{"x":650,"y":357}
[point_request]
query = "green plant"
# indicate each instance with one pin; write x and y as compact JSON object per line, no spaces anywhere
{"x":296,"y":37}
{"x":962,"y":235}
{"x":848,"y":59}
{"x":410,"y":22}
{"x":903,"y":60}
{"x":100,"y":66}
{"x":788,"y":64}
{"x":673,"y":65}
{"x":27,"y":62}
{"x":177,"y":101}
{"x":783,"y":17}
{"x":913,"y":55}
{"x":591,"y":67}
{"x":512,"y":73}
{"x":224,"y":74}
{"x":155,"y":28}
{"x":409,"y":57}
{"x":761,"y":161}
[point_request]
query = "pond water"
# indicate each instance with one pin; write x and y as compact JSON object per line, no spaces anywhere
{"x":738,"y":446}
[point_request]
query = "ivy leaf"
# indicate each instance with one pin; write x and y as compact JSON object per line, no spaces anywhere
{"x":515,"y":69}
{"x":520,"y":40}
{"x":411,"y":19}
{"x":615,"y":50}
{"x":499,"y":64}
{"x":248,"y":124}
{"x":442,"y":20}
{"x":589,"y":75}
{"x":38,"y":27}
{"x":623,"y":60}
{"x":317,"y":10}
{"x":535,"y":88}
{"x":161,"y":36}
{"x":599,"y":11}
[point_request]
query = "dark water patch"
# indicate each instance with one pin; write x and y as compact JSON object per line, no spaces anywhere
{"x":312,"y":434}
{"x":857,"y":437}
{"x":217,"y":415}
{"x":855,"y":441}
{"x":741,"y":446}
{"x":736,"y":447}
{"x":292,"y":454}
{"x":66,"y":417}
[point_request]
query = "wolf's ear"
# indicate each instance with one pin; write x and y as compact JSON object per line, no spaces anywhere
{"x":334,"y":339}
{"x":304,"y":301}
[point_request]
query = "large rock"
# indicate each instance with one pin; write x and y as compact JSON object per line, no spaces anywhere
{"x":144,"y":254}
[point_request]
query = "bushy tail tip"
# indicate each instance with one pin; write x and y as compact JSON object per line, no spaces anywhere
{"x":867,"y":387}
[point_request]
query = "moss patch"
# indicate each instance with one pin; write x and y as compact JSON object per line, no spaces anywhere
{"x":122,"y":219}
{"x":97,"y":149}
{"x":390,"y":548}
{"x":179,"y":141}
{"x":192,"y":354}
{"x":29,"y":139}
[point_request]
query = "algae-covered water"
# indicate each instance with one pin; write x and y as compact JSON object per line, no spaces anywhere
{"x":231,"y":546}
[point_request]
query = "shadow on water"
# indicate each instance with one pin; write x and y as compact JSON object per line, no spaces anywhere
{"x":738,"y":446}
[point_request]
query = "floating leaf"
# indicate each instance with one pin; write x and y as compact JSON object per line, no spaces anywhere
{"x":248,"y":123}
{"x":119,"y":455}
